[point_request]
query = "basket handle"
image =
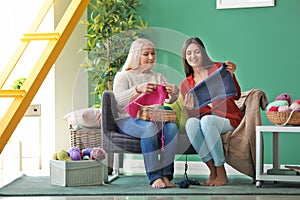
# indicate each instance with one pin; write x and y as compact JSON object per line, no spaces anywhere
{"x":288,"y":119}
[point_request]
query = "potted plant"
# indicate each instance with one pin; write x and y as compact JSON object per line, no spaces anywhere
{"x":112,"y":25}
{"x":18,"y":83}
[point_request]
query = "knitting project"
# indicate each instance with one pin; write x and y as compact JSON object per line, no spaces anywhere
{"x":218,"y":85}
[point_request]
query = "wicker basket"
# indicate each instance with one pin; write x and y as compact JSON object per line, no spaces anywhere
{"x":156,"y":114}
{"x":282,"y":117}
{"x":86,"y":138}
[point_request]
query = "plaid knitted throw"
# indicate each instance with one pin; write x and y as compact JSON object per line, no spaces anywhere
{"x":217,"y":85}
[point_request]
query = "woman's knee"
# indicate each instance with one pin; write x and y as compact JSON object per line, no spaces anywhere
{"x":192,"y":126}
{"x":171,"y":126}
{"x":149,"y":130}
{"x":207,"y":120}
{"x":171,"y":129}
{"x":211,"y":121}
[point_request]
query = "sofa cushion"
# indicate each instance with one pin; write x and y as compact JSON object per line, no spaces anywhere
{"x":84,"y":118}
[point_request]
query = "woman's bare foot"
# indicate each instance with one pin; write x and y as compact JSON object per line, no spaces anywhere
{"x":158,"y":184}
{"x":213,"y":173}
{"x":221,"y":178}
{"x":219,"y":181}
{"x":210,"y":179}
{"x":168,"y":183}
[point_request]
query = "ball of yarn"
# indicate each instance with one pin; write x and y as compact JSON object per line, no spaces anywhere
{"x":86,"y":152}
{"x":277,"y":103}
{"x":284,"y":109}
{"x":54,"y":156}
{"x":86,"y":157}
{"x":74,"y":149}
{"x":273,"y":109}
{"x":297,"y":101}
{"x":284,"y":96}
{"x":63,"y":155}
{"x":97,"y":154}
{"x":75,"y":153}
{"x":183,"y":184}
{"x":295,"y":106}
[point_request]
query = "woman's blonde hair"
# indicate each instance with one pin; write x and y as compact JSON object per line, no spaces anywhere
{"x":134,"y":55}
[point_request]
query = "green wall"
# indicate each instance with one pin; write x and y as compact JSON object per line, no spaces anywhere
{"x":263,"y":42}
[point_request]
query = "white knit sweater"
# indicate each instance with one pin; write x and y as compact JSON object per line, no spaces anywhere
{"x":124,"y":88}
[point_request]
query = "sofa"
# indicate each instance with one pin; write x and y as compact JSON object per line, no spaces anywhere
{"x":239,"y":145}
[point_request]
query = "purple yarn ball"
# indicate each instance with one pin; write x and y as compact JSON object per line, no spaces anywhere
{"x":284,"y":96}
{"x":74,"y":149}
{"x":75,"y":155}
{"x":86,"y":152}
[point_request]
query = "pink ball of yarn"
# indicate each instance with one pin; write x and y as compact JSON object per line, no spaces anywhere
{"x":297,"y":101}
{"x":295,"y":106}
{"x":284,"y":109}
{"x":285,"y":96}
{"x":97,"y":154}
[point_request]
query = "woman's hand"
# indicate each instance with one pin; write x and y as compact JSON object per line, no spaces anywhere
{"x":172,"y":89}
{"x":146,"y":88}
{"x":231,"y":67}
{"x":189,"y":101}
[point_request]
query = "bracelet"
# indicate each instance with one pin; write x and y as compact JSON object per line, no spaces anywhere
{"x":137,"y":90}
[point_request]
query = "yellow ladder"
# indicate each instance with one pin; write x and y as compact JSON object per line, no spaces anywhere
{"x":56,"y":41}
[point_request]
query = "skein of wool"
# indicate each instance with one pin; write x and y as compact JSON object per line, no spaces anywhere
{"x":285,"y":96}
{"x":295,"y":105}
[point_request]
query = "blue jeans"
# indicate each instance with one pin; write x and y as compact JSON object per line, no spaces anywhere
{"x":205,"y":137}
{"x":151,"y":145}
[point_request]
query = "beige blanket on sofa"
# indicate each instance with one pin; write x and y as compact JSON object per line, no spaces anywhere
{"x":239,"y":145}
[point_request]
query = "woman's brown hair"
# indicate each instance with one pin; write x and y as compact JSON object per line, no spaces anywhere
{"x":206,"y":61}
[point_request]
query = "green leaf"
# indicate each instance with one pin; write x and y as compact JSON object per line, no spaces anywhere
{"x":112,"y":25}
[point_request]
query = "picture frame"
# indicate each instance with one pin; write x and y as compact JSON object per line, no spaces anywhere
{"x":226,"y":4}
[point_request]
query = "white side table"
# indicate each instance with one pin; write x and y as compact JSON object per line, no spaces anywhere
{"x":260,"y":174}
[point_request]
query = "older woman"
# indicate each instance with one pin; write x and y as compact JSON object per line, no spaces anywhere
{"x":135,"y":79}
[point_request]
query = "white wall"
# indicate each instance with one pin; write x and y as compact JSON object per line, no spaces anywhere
{"x":67,"y":68}
{"x":58,"y":94}
{"x":17,"y":21}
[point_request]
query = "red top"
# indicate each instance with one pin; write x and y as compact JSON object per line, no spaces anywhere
{"x":227,"y":108}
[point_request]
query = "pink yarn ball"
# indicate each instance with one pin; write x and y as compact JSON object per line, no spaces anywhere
{"x":284,"y":109}
{"x":295,"y":106}
{"x":97,"y":154}
{"x":284,"y":96}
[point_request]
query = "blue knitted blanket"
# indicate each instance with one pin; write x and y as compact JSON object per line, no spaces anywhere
{"x":217,"y":85}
